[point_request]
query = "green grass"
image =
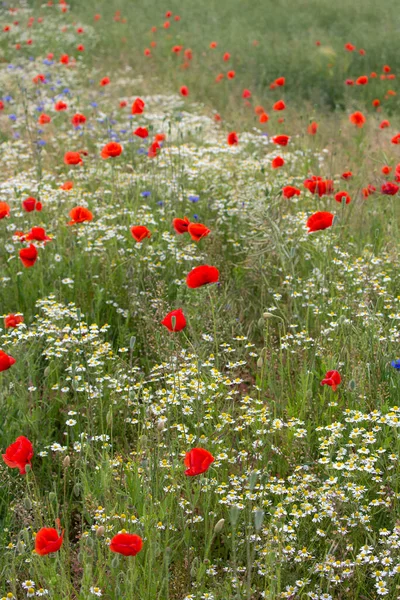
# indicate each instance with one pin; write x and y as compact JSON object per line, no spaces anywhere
{"x":302,"y":499}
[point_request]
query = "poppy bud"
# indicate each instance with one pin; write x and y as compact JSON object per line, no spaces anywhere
{"x":260,"y":363}
{"x":46,"y":372}
{"x":66,"y":462}
{"x":21,"y":547}
{"x":77,"y":490}
{"x":253,"y":477}
{"x":352,"y":385}
{"x":132,"y":343}
{"x":194,"y":567}
{"x":27,"y":504}
{"x":160,"y":425}
{"x":258,"y":519}
{"x":109,"y":417}
{"x":52,"y":497}
{"x":219,"y":526}
{"x":100,"y":531}
{"x":268,"y":315}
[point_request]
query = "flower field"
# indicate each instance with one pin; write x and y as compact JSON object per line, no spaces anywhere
{"x":199,"y":300}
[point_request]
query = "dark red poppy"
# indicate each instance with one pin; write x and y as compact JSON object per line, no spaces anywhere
{"x":376,"y":103}
{"x":184,"y":90}
{"x":37,"y":234}
{"x":233,"y":138}
{"x":105,"y":81}
{"x":48,"y":541}
{"x":280,"y":81}
{"x":226,"y":56}
{"x":340,"y":196}
{"x":111,"y":150}
{"x":40,"y":78}
{"x":141,"y":132}
{"x":11,"y":321}
{"x":319,"y":220}
{"x":175,"y":320}
{"x":20,"y":453}
{"x":289,"y":191}
{"x":140,"y":232}
{"x":4,"y":210}
{"x":202,"y":275}
{"x":64,"y":59}
{"x":197,"y":231}
{"x":277,"y":162}
{"x":73,"y":158}
{"x":30,"y":204}
{"x":198,"y":461}
{"x":181,"y":225}
{"x":332,"y":378}
{"x":246,"y":94}
{"x":279,"y":105}
{"x":28,"y":256}
{"x":357,"y":118}
{"x":138,"y":107}
{"x":127,"y":544}
{"x":349,"y":82}
{"x":231,"y":74}
{"x":281,"y":140}
{"x":389,"y":188}
{"x":80,"y":214}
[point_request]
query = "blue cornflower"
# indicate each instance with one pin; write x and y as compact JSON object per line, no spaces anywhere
{"x":194,"y":198}
{"x":396,"y":364}
{"x":145,"y":194}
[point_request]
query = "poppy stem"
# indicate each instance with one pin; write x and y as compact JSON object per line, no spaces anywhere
{"x":214,"y":328}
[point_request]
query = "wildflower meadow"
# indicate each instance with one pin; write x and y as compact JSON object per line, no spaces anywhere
{"x":199,"y":300}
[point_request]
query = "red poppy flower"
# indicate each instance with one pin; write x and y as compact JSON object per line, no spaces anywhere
{"x":202,"y":275}
{"x":289,"y":191}
{"x":312,"y":128}
{"x":11,"y":321}
{"x":159,"y":137}
{"x":78,"y":119}
{"x":317,"y":185}
{"x":104,"y":81}
{"x":64,"y":59}
{"x":246,"y":94}
{"x":48,"y":541}
{"x":37,"y":234}
{"x":363,"y":80}
{"x":332,"y":378}
{"x":319,"y":221}
{"x":154,"y":149}
{"x":147,"y":52}
{"x":175,"y":320}
{"x":197,"y":231}
{"x":264,"y":118}
{"x":80,"y":48}
{"x":280,"y":105}
{"x":281,"y":140}
{"x":349,"y":82}
{"x":226,"y":56}
{"x":68,"y":185}
{"x":280,"y":81}
{"x":138,"y":107}
{"x":349,"y":47}
{"x":60,"y":105}
{"x":4,"y":210}
{"x":30,"y":204}
{"x":386,"y":69}
{"x":357,"y":118}
{"x":386,"y":169}
{"x":141,"y":132}
{"x":28,"y":256}
{"x":396,"y":139}
{"x":6,"y":361}
{"x":340,"y":196}
{"x":111,"y":150}
{"x":367,"y":191}
{"x":40,"y":78}
{"x":347,"y":175}
{"x":80,"y":214}
{"x":20,"y":453}
{"x":277,"y":162}
{"x":389,"y":188}
{"x":198,"y":461}
{"x":219,"y":77}
{"x":73,"y":158}
{"x":140,"y":232}
{"x":233,"y":138}
{"x":231,"y":74}
{"x":127,"y":544}
{"x":43,"y":119}
{"x":376,"y":103}
{"x":184,"y":90}
{"x":181,"y":225}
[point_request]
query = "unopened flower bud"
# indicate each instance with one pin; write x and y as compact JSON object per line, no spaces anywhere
{"x":219,"y":526}
{"x":66,"y":462}
{"x":100,"y":531}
